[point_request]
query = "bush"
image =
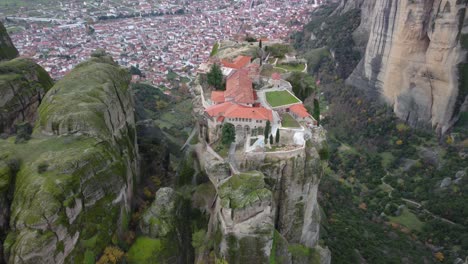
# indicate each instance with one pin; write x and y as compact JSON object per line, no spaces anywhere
{"x":324,"y":153}
{"x":228,"y":134}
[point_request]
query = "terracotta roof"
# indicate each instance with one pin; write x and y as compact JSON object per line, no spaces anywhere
{"x":239,"y":88}
{"x":299,"y":110}
{"x":231,"y":110}
{"x":239,"y":63}
{"x":217,"y":96}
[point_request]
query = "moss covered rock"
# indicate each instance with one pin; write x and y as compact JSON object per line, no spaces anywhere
{"x":158,"y":219}
{"x":73,"y":189}
{"x":7,"y":49}
{"x":150,"y":251}
{"x":23,"y":84}
{"x":244,"y":190}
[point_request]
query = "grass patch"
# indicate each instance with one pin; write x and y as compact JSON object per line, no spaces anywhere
{"x":145,"y":250}
{"x":279,"y":98}
{"x":221,"y":149}
{"x":315,"y":56}
{"x":215,"y":49}
{"x":288,"y":121}
{"x":387,"y":159}
{"x":292,"y":67}
{"x":408,"y":219}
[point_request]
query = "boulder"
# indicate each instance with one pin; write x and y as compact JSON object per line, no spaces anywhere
{"x":158,"y":220}
{"x":446,"y":182}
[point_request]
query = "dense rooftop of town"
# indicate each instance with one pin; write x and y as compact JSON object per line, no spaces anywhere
{"x":168,"y":35}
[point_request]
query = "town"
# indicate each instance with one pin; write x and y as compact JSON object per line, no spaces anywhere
{"x":163,"y":37}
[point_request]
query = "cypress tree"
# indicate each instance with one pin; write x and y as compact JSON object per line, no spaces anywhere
{"x":277,"y":137}
{"x":267,"y":130}
{"x":271,"y":139}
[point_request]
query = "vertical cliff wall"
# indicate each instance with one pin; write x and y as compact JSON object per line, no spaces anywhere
{"x":23,"y":84}
{"x":268,"y":212}
{"x":7,"y":49}
{"x":68,"y":189}
{"x":413,"y":57}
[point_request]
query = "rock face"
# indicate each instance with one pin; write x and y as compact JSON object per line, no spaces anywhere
{"x":7,"y":49}
{"x":270,"y":209}
{"x":157,"y":221}
{"x":413,"y":58}
{"x":67,"y":191}
{"x":23,"y":84}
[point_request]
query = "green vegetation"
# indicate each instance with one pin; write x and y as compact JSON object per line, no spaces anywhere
{"x":408,"y":219}
{"x":221,"y":149}
{"x":267,"y":131}
{"x":316,"y":112}
{"x":304,"y":254}
{"x":215,"y":77}
{"x":288,"y":121}
{"x":280,"y":98}
{"x":292,"y":67}
{"x":243,"y":190}
{"x":278,"y":50}
{"x":228,"y":134}
{"x":214,"y":50}
{"x":315,"y":57}
{"x":303,"y":84}
{"x":146,"y":250}
{"x":277,"y":136}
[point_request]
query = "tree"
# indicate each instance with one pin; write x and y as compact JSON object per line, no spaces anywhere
{"x":215,"y":77}
{"x":267,"y":130}
{"x":277,"y":137}
{"x":228,"y":134}
{"x":271,"y":139}
{"x":135,"y":71}
{"x":260,"y":43}
{"x":316,"y":113}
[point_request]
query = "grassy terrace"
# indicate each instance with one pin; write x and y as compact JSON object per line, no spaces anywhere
{"x":289,"y":121}
{"x":292,"y":67}
{"x":279,"y":98}
{"x":408,"y":219}
{"x":214,"y":50}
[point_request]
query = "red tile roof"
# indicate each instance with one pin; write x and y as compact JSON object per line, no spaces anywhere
{"x":217,"y":96}
{"x":239,"y":88}
{"x":299,"y":110}
{"x":231,"y":110}
{"x":239,"y":63}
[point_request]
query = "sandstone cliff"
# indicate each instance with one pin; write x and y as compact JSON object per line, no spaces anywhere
{"x":23,"y":84}
{"x":66,"y":192}
{"x":268,"y":212}
{"x":414,"y":57}
{"x":7,"y":49}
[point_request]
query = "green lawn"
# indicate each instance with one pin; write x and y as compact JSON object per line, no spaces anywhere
{"x":292,"y":67}
{"x":279,"y":98}
{"x":408,"y":219}
{"x":289,"y":121}
{"x":214,"y":50}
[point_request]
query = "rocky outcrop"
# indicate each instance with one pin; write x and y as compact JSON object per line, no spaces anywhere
{"x":7,"y":49}
{"x":23,"y":84}
{"x":413,"y":57}
{"x":270,"y":209}
{"x":72,"y":190}
{"x":158,"y":220}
